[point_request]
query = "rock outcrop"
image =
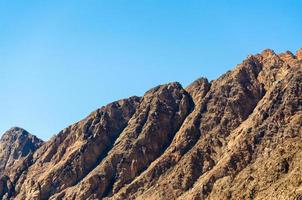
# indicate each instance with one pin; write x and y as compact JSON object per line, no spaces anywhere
{"x":16,"y":147}
{"x":237,"y":137}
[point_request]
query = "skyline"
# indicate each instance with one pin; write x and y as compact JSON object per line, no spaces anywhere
{"x":61,"y":61}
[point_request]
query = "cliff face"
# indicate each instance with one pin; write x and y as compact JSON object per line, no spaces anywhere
{"x":237,"y":137}
{"x":16,"y":146}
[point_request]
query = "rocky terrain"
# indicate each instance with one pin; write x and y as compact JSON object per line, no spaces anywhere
{"x":237,"y":137}
{"x":16,"y":145}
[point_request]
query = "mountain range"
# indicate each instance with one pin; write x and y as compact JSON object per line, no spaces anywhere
{"x":236,"y":137}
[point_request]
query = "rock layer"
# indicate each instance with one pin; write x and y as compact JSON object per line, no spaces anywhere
{"x":237,"y":137}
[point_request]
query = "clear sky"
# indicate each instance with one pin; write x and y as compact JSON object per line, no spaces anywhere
{"x":61,"y":59}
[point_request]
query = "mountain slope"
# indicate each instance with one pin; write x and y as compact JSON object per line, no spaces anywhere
{"x":16,"y":149}
{"x":237,"y":137}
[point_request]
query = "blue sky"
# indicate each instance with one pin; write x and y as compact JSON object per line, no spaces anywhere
{"x":60,"y":60}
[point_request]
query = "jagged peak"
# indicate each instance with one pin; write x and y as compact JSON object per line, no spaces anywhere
{"x":250,"y":59}
{"x":200,"y":80}
{"x":169,"y":86}
{"x":16,"y":128}
{"x":16,"y":132}
{"x":198,"y":88}
{"x":299,"y":54}
{"x":270,"y":56}
{"x":13,"y":131}
{"x":287,"y":55}
{"x":268,"y":53}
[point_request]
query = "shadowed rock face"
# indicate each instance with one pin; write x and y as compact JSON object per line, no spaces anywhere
{"x":15,"y":145}
{"x":237,"y":137}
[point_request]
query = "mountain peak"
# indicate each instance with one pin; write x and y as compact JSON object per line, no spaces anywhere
{"x":16,"y":144}
{"x":16,"y":132}
{"x":268,"y":52}
{"x":16,"y":129}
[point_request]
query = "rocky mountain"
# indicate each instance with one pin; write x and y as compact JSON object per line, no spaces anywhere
{"x":16,"y":145}
{"x":237,"y":137}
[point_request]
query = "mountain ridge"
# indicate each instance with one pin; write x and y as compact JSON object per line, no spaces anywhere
{"x":205,"y":141}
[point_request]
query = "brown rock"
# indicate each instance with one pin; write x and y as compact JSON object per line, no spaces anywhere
{"x":15,"y":145}
{"x":69,"y":157}
{"x":157,"y":119}
{"x":238,"y":137}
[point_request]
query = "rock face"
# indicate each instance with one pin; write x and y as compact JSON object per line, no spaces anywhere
{"x":16,"y":146}
{"x":237,"y":137}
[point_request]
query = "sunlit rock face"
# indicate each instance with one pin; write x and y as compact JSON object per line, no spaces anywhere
{"x":237,"y":137}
